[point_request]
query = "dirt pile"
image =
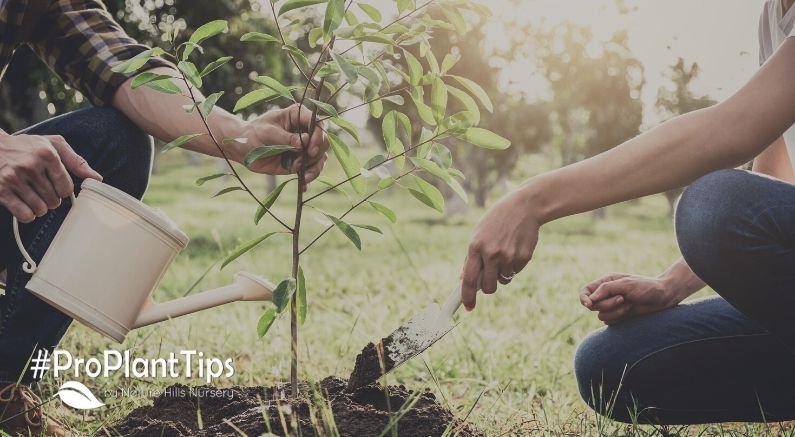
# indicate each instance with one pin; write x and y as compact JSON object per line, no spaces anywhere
{"x":372,"y":363}
{"x":364,"y":412}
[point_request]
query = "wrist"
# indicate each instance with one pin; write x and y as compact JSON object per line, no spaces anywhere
{"x":674,"y":287}
{"x":226,"y":126}
{"x":534,"y":198}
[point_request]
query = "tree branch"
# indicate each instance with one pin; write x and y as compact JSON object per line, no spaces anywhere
{"x":224,"y":155}
{"x":353,"y":207}
{"x":337,"y":185}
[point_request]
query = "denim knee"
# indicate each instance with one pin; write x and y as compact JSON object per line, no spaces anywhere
{"x":709,"y":218}
{"x":598,"y":372}
{"x":128,"y":149}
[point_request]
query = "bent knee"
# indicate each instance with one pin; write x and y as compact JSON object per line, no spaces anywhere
{"x":711,"y":215}
{"x":598,"y":371}
{"x":128,"y":150}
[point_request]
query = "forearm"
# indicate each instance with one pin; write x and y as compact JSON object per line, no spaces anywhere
{"x":669,"y":156}
{"x":677,"y":152}
{"x":163,"y":116}
{"x":680,"y":280}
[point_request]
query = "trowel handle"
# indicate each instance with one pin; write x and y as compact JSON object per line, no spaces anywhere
{"x":452,"y":303}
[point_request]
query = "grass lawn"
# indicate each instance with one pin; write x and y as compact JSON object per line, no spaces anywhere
{"x":508,"y":366}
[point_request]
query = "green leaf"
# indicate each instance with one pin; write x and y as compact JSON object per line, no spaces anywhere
{"x":428,"y":194}
{"x":188,"y":49}
{"x":133,"y":64}
{"x":370,"y":228}
{"x":314,"y":36}
{"x":208,"y":30}
{"x":449,"y":62}
{"x":283,"y":293}
{"x":406,"y":5}
{"x":393,"y":144}
{"x":227,"y":190}
{"x":347,"y":127}
{"x":205,"y":179}
{"x":414,"y":67}
{"x":386,"y":183}
{"x":425,"y":112}
{"x":190,"y":71}
{"x":275,"y":85}
{"x":346,"y":67}
{"x":326,"y":108}
{"x":385,"y":211}
{"x":268,"y":201}
{"x":256,"y":96}
{"x":376,"y":108}
{"x":335,"y":11}
{"x":347,"y":230}
{"x":265,"y":152}
{"x":467,"y":101}
{"x":350,"y":163}
{"x":371,"y":12}
{"x":301,"y":300}
{"x":212,"y":66}
{"x":266,"y":321}
{"x":180,"y":141}
{"x":166,"y":86}
{"x":376,"y":37}
{"x":259,"y":37}
{"x":295,"y":4}
{"x":244,"y":248}
{"x":209,"y":103}
{"x":455,"y":18}
{"x":432,"y":168}
{"x":298,"y":54}
{"x":438,"y":99}
{"x":475,"y":90}
{"x":146,"y":77}
{"x":486,"y":139}
{"x":458,"y":189}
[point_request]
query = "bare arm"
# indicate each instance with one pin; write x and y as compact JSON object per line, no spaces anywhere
{"x":669,"y":156}
{"x":162,"y":116}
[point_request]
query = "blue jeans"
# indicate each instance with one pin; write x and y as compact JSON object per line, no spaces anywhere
{"x":721,"y":359}
{"x":122,"y":154}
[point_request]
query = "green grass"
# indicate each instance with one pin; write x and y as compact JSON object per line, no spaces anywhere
{"x":508,"y":366}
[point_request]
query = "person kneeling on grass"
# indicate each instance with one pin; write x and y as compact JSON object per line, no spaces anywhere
{"x":727,"y":358}
{"x":44,"y":163}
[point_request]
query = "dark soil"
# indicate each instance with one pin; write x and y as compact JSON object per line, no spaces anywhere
{"x":364,"y":412}
{"x":371,"y":364}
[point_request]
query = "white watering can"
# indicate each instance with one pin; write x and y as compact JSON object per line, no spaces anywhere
{"x":108,"y":258}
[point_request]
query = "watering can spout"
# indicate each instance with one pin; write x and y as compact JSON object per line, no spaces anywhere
{"x":247,"y":287}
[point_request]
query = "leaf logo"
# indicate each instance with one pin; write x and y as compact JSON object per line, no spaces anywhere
{"x":78,"y":396}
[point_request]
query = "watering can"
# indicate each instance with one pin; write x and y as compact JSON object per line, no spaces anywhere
{"x":109,"y":256}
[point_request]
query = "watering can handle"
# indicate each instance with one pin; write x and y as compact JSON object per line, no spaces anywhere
{"x":29,"y":266}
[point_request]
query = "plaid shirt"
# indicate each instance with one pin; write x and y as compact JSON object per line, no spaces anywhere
{"x":78,"y":39}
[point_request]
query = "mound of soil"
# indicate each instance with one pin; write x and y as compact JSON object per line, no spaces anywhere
{"x":367,"y":411}
{"x":371,"y":364}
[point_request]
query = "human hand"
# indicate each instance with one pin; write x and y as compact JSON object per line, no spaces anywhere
{"x":34,"y":173}
{"x":618,"y":296}
{"x":281,"y":127}
{"x":502,"y":245}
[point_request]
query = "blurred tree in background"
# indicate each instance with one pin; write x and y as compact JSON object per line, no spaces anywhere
{"x":680,"y":100}
{"x":595,"y":90}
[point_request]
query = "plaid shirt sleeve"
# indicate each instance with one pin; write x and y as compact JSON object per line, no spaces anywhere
{"x":81,"y":42}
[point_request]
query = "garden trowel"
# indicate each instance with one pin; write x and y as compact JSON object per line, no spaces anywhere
{"x":406,"y":342}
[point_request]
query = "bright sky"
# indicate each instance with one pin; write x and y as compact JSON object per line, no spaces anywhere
{"x":721,"y":35}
